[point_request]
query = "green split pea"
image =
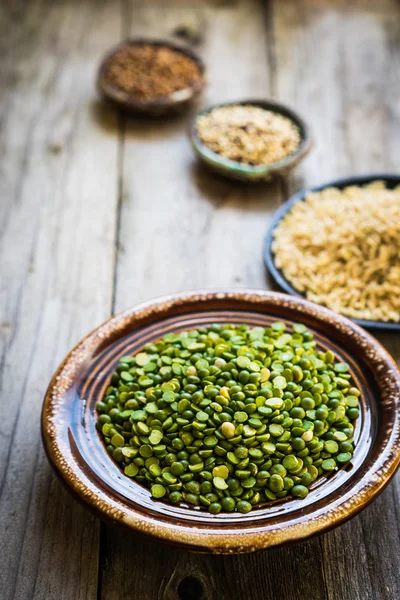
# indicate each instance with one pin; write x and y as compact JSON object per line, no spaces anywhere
{"x":230,"y":416}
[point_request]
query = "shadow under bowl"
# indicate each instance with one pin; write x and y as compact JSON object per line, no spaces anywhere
{"x":391,"y":182}
{"x":244,"y":171}
{"x":78,"y":455}
{"x":172,"y":103}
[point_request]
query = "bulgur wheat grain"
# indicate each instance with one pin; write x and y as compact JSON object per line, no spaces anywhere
{"x":341,"y":248}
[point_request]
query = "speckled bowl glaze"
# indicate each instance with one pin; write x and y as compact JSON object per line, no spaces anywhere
{"x":175,"y":102}
{"x":79,"y":457}
{"x":391,"y":182}
{"x":252,"y":173}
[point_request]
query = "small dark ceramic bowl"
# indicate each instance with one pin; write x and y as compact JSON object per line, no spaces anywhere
{"x":243,"y":171}
{"x":391,"y":182}
{"x":174,"y":102}
{"x":78,"y":455}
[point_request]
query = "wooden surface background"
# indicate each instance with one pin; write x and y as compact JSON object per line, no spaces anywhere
{"x":98,"y":212}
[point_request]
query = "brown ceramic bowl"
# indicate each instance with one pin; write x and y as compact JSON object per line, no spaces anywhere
{"x":174,"y":102}
{"x":79,"y":457}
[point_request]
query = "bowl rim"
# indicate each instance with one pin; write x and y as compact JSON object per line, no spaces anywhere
{"x":216,"y":539}
{"x":389,"y":178}
{"x":128,"y":101}
{"x":243,"y":169}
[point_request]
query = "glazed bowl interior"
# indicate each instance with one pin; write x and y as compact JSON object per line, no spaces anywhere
{"x":173,"y":102}
{"x":244,"y":171}
{"x":391,"y":181}
{"x":79,"y":456}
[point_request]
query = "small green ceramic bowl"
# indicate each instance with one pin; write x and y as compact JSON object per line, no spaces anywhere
{"x":246,"y":172}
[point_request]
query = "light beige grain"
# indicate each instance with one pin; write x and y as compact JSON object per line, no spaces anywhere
{"x":248,"y":134}
{"x":342,"y":249}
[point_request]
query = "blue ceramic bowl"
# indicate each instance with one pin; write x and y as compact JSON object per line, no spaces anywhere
{"x":391,"y":181}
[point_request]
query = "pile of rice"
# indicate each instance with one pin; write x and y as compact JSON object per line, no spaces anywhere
{"x":341,"y":248}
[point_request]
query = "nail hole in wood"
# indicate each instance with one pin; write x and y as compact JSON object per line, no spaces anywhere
{"x":190,"y":588}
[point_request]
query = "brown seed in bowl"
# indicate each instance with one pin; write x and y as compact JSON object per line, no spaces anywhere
{"x":149,"y":72}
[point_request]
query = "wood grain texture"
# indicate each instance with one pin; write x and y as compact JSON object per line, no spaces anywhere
{"x":182,"y":228}
{"x":339,"y":62}
{"x":156,"y":572}
{"x":59,"y":190}
{"x":88,"y":199}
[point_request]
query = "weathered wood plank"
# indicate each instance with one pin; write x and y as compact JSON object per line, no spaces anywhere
{"x":182,"y":228}
{"x":339,"y":63}
{"x":154,"y":572}
{"x":59,"y":189}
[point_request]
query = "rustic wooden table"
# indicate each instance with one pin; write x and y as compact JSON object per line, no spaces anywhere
{"x":98,"y":212}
